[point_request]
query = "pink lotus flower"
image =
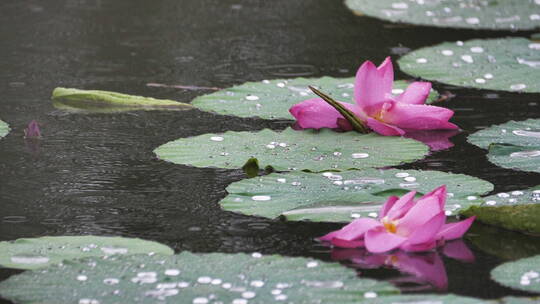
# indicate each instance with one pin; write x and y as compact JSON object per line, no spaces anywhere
{"x":404,"y":224}
{"x":376,"y":107}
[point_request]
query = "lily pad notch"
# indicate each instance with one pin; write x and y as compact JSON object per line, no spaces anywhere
{"x":514,"y":145}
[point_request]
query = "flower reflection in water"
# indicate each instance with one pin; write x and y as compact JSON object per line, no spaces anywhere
{"x":422,"y":271}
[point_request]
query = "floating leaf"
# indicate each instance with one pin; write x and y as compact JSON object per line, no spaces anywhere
{"x":508,"y":64}
{"x":271,"y":99}
{"x":95,"y":101}
{"x":492,"y":15}
{"x":193,"y":278}
{"x":290,"y":150}
{"x":427,"y":299}
{"x":515,"y":144}
{"x":516,"y":210}
{"x":515,"y":300}
{"x":41,"y":252}
{"x":4,"y":129}
{"x":340,"y":197}
{"x":522,"y":274}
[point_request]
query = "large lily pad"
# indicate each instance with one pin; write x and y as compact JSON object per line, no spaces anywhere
{"x":508,"y":64}
{"x":290,"y":150}
{"x":515,"y":210}
{"x":522,"y":274}
{"x":44,"y":251}
{"x":340,"y":197}
{"x":192,"y":278}
{"x":271,"y":99}
{"x":4,"y":129}
{"x":95,"y":101}
{"x":515,"y":144}
{"x":490,"y":14}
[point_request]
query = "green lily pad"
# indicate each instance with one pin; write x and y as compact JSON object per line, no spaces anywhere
{"x":516,"y":210}
{"x":291,"y":150}
{"x":490,"y":14}
{"x":95,"y":101}
{"x":508,"y":64}
{"x":4,"y":129}
{"x":427,"y":299}
{"x":193,"y":278}
{"x":44,"y":251}
{"x":522,"y":274}
{"x":514,"y":145}
{"x":340,"y":197}
{"x":515,"y":300}
{"x":271,"y":99}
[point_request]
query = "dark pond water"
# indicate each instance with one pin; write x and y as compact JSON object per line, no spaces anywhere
{"x":96,"y":173}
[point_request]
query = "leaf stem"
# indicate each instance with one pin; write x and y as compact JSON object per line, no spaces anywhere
{"x":355,"y":122}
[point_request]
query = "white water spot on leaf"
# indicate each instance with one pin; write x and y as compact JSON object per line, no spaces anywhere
{"x":29,"y":259}
{"x":261,"y":198}
{"x":359,"y":155}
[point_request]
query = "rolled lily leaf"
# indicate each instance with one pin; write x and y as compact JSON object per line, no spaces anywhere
{"x":4,"y":129}
{"x":517,"y":210}
{"x":95,"y":101}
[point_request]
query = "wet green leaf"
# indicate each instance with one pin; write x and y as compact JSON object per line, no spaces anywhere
{"x":95,"y":101}
{"x":193,"y":278}
{"x":514,"y":145}
{"x":522,"y":274}
{"x":4,"y":129}
{"x":340,"y":197}
{"x":292,"y":150}
{"x":516,"y":210}
{"x":490,"y":14}
{"x":44,"y":251}
{"x":271,"y":99}
{"x":507,"y":64}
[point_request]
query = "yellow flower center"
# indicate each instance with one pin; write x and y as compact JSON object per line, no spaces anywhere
{"x":390,"y":226}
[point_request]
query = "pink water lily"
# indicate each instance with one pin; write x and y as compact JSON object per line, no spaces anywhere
{"x":376,"y":106}
{"x":403,"y":223}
